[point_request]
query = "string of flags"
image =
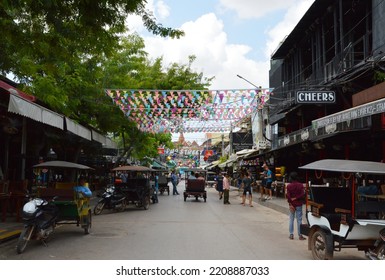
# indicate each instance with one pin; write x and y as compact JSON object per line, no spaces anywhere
{"x":188,"y":110}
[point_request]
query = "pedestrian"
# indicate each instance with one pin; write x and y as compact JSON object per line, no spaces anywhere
{"x":226,"y":189}
{"x":263,"y":182}
{"x":268,"y":182}
{"x":219,"y":180}
{"x":174,"y":181}
{"x":247,"y":191}
{"x":295,"y":197}
{"x":156,"y":188}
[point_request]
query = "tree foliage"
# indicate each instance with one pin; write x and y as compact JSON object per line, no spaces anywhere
{"x":67,"y":52}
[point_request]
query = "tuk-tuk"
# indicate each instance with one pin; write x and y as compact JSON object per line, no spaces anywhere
{"x":339,"y":214}
{"x":195,"y":187}
{"x":163,"y":181}
{"x":56,"y":198}
{"x":62,"y":177}
{"x":137,"y":185}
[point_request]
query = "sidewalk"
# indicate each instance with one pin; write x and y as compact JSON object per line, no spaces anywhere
{"x":12,"y":229}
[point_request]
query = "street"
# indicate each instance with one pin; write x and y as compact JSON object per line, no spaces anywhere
{"x":174,"y":229}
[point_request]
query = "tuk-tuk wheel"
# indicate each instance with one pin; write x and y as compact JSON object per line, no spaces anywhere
{"x":146,"y":203}
{"x":322,"y":245}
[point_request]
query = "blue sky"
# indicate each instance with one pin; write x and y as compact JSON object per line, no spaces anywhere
{"x":228,"y":37}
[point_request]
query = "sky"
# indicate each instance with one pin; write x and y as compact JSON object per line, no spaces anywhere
{"x":228,"y":38}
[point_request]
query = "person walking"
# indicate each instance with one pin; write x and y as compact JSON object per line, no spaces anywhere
{"x":269,"y":182}
{"x":156,"y":188}
{"x":295,"y":196}
{"x":247,"y":191}
{"x":174,"y":182}
{"x":219,"y":180}
{"x":226,"y":189}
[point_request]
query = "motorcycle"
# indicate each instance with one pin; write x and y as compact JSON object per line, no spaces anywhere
{"x":39,"y":218}
{"x":111,"y":199}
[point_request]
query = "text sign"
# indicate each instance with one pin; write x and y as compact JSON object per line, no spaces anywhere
{"x":315,"y":97}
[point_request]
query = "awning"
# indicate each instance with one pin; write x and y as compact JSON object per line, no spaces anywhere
{"x":15,"y":91}
{"x":105,"y":141}
{"x":34,"y":111}
{"x":212,"y":165}
{"x":364,"y":110}
{"x":78,"y":129}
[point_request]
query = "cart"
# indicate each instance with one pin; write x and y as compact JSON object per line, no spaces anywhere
{"x":338,"y":216}
{"x":195,"y":187}
{"x":137,"y":188}
{"x":74,"y":208}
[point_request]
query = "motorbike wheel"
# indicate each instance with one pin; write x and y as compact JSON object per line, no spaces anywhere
{"x":99,"y":207}
{"x":23,"y":239}
{"x":322,"y":245}
{"x":123,"y":206}
{"x":381,"y":251}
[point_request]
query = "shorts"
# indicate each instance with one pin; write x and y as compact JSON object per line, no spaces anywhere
{"x":268,"y":185}
{"x":245,"y":190}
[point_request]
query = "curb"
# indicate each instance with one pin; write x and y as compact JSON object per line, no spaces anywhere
{"x":6,"y":235}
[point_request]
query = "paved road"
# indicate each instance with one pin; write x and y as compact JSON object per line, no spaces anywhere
{"x":174,"y":229}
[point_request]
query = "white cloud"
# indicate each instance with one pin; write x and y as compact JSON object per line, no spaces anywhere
{"x":247,"y":9}
{"x":162,"y":10}
{"x":283,"y":28}
{"x":215,"y":56}
{"x":206,"y":39}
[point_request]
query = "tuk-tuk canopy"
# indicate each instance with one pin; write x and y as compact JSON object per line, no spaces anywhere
{"x":343,"y":165}
{"x":62,"y":164}
{"x":137,"y":168}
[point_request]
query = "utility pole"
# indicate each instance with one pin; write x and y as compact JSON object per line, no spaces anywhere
{"x":223,"y":145}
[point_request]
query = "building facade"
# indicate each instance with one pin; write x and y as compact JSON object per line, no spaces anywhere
{"x":329,"y":95}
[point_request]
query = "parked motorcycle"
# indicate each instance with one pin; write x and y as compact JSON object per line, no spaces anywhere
{"x":111,"y":199}
{"x":39,"y":218}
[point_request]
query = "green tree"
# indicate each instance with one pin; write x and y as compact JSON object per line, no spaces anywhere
{"x":51,"y":31}
{"x":66,"y":52}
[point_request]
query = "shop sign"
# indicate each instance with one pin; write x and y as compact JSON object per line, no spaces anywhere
{"x":242,"y":141}
{"x":315,"y":97}
{"x":365,"y":110}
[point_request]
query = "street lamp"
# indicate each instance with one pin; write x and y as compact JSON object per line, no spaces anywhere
{"x":239,"y":76}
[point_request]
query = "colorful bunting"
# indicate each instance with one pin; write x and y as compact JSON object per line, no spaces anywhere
{"x":188,"y":110}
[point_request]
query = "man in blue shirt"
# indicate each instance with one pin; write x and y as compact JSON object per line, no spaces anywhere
{"x":269,"y":181}
{"x":82,"y":188}
{"x":174,"y":181}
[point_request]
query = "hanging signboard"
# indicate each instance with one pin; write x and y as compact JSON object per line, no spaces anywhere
{"x":242,"y":141}
{"x":315,"y":97}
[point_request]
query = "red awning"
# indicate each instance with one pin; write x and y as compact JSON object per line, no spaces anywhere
{"x":11,"y":89}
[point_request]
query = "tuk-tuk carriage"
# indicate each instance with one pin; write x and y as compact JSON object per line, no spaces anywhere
{"x":137,"y":186}
{"x":341,"y":215}
{"x":195,"y":187}
{"x":62,"y":177}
